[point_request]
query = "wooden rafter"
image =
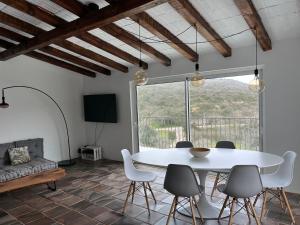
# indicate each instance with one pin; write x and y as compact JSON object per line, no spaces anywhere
{"x":188,"y":11}
{"x":56,"y":21}
{"x":254,"y":21}
{"x":34,"y":11}
{"x":133,"y":41}
{"x":36,"y":31}
{"x":80,"y":9}
{"x":93,"y":40}
{"x":145,"y":20}
{"x":56,"y":52}
{"x":91,"y":54}
{"x":30,"y":29}
{"x":51,"y":60}
{"x":89,"y":21}
{"x":19,"y":24}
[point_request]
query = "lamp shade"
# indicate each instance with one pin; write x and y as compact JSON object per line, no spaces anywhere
{"x":256,"y":85}
{"x":140,"y":77}
{"x":197,"y":79}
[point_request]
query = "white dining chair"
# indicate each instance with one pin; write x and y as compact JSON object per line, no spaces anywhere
{"x":243,"y":182}
{"x":276,"y":182}
{"x":139,"y":179}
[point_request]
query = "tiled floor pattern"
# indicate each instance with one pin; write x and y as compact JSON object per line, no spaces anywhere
{"x":94,"y":193}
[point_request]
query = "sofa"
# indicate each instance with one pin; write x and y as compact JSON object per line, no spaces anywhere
{"x":37,"y":171}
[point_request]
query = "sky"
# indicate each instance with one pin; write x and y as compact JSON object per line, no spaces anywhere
{"x":244,"y":79}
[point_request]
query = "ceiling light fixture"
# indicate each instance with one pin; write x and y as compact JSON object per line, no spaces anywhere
{"x":256,"y":85}
{"x":140,"y":76}
{"x":197,"y":79}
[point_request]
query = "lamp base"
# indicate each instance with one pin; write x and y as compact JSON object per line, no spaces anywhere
{"x":65,"y":163}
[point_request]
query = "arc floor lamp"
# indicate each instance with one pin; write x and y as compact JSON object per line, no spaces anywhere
{"x":6,"y":105}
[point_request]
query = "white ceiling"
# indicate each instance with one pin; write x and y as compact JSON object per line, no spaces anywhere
{"x":280,"y":17}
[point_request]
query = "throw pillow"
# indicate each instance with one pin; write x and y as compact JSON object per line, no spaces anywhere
{"x":19,"y":155}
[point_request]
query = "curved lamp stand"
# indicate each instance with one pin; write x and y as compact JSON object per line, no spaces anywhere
{"x":6,"y":105}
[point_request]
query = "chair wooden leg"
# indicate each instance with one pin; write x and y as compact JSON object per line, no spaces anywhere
{"x":223,"y":207}
{"x":192,"y":210}
{"x":198,"y":210}
{"x":133,"y":192}
{"x":231,"y":211}
{"x":128,"y":194}
{"x":151,"y":192}
{"x":247,"y":209}
{"x":281,"y":199}
{"x":172,"y":209}
{"x":253,"y":212}
{"x":255,"y":201}
{"x":175,"y":206}
{"x":146,"y":197}
{"x":286,"y":201}
{"x":215,"y":185}
{"x":263,"y":207}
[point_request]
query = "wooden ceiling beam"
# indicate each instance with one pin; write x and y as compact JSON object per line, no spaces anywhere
{"x":73,"y":6}
{"x":97,"y":42}
{"x":56,"y":52}
{"x":56,"y":21}
{"x":191,"y":15}
{"x":12,"y":35}
{"x":145,"y":20}
{"x":92,"y":55}
{"x":28,"y":28}
{"x":80,"y":9}
{"x":35,"y":11}
{"x":134,"y":42}
{"x":71,"y":58}
{"x":254,"y":21}
{"x":19,"y":24}
{"x":51,"y":60}
{"x":54,"y":61}
{"x":89,"y":21}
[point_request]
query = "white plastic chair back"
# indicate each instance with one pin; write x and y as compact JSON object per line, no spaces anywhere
{"x":286,"y":169}
{"x":128,"y":164}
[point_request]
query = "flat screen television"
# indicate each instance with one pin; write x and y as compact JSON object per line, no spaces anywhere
{"x":100,"y":108}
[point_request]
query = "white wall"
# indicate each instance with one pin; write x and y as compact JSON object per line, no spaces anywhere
{"x":281,"y":97}
{"x":33,"y":115}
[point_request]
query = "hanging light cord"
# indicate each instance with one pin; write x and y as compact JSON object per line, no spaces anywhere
{"x":140,"y":62}
{"x":197,"y":64}
{"x":256,"y":70}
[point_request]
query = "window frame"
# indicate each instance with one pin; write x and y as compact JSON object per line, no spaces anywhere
{"x":241,"y":71}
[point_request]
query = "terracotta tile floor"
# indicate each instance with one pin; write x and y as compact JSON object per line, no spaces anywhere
{"x":94,"y":193}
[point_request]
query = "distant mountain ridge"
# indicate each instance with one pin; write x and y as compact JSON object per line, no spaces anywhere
{"x":218,"y":97}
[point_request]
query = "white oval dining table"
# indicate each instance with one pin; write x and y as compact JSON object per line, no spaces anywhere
{"x":217,"y":159}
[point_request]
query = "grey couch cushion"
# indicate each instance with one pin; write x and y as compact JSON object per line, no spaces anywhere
{"x":36,"y":165}
{"x":4,"y":157}
{"x":35,"y":148}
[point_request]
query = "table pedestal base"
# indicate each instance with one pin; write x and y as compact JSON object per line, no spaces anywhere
{"x":207,"y":209}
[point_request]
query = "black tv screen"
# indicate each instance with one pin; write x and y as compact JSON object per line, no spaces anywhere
{"x":100,"y":108}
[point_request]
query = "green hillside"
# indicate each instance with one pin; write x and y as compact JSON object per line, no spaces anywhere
{"x":218,"y":98}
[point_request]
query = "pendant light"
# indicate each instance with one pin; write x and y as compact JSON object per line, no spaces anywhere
{"x":256,"y":85}
{"x":197,"y":79}
{"x":140,"y":77}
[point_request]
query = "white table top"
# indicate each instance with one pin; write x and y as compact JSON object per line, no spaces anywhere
{"x":217,"y":159}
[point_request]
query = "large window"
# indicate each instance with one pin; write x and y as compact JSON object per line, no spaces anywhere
{"x":223,"y":109}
